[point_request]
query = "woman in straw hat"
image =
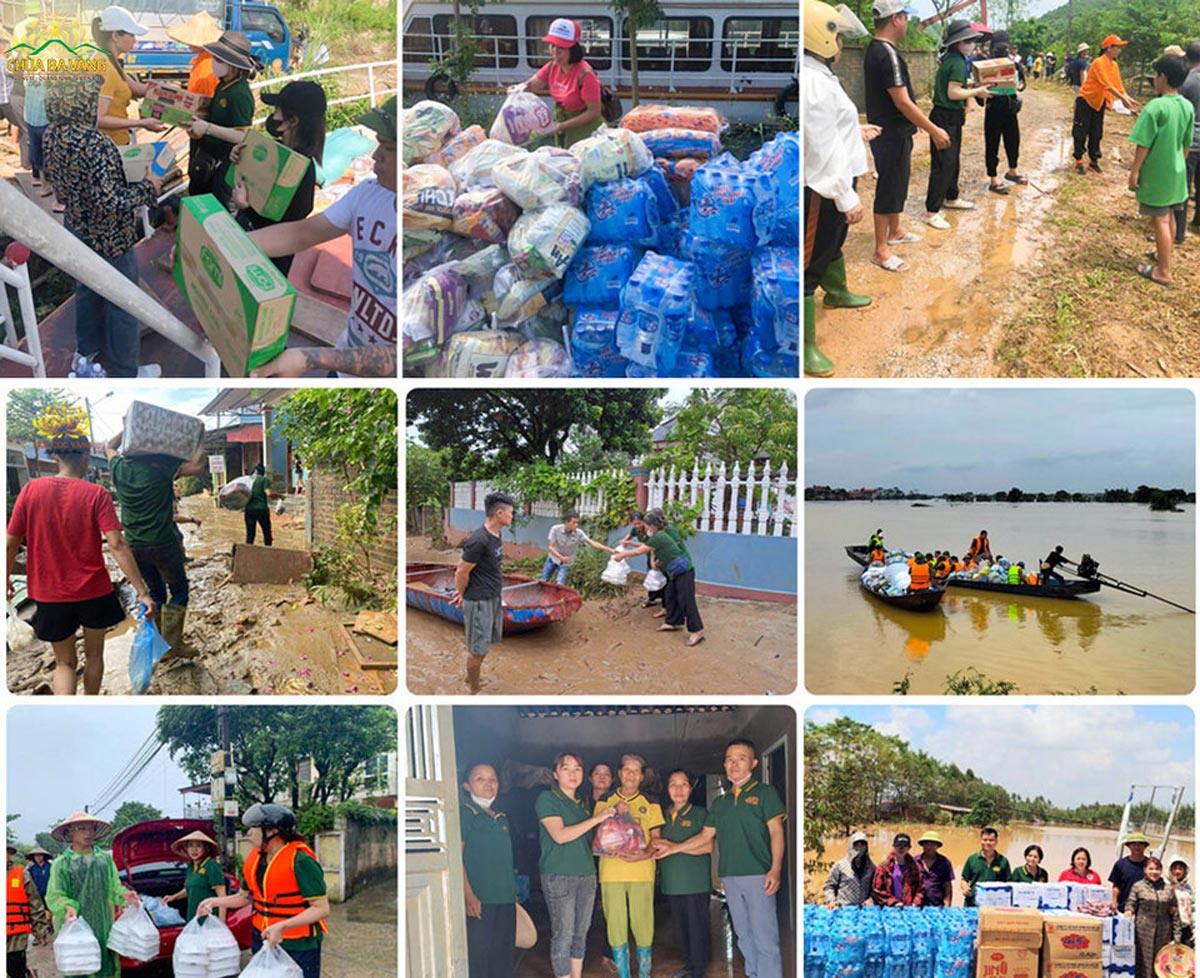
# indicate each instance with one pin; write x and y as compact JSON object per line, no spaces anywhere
{"x":230,"y":114}
{"x":197,"y":31}
{"x":205,"y":878}
{"x":84,"y":883}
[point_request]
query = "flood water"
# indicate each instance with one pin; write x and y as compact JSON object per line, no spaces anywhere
{"x":1058,"y":842}
{"x":1111,"y":641}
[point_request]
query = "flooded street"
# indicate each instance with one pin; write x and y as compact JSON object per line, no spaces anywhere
{"x":612,"y":646}
{"x":1058,"y":842}
{"x":1107,"y":643}
{"x":249,"y":638}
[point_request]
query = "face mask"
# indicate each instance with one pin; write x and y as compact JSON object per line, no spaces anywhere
{"x":274,"y":129}
{"x":220,"y":69}
{"x":481,"y":802}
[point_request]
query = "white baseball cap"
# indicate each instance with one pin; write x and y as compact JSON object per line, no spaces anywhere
{"x":563,"y":33}
{"x":119,"y":19}
{"x":889,"y":8}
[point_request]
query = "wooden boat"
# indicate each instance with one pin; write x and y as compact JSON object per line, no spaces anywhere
{"x":1067,"y":589}
{"x":527,"y":602}
{"x":925,"y":600}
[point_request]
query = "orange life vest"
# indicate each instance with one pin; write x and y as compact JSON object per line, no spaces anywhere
{"x":920,"y":577}
{"x":878,"y":555}
{"x":20,"y":917}
{"x":280,"y":898}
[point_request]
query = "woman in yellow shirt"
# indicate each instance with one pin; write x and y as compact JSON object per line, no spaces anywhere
{"x":115,"y":31}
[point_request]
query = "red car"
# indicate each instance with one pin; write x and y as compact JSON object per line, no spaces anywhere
{"x":146,"y":864}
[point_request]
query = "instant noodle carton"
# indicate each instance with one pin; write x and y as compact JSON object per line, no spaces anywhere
{"x":173,"y":105}
{"x":1010,"y":927}
{"x":1073,"y":938}
{"x":994,"y":73}
{"x":1072,"y":969}
{"x":146,"y":158}
{"x":244,"y":303}
{"x":1006,"y":962}
{"x":271,"y":173}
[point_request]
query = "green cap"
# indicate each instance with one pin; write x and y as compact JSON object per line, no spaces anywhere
{"x":382,"y":120}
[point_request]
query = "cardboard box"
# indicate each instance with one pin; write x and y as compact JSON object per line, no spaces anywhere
{"x":1006,"y":962}
{"x":172,"y":104}
{"x":1074,"y":938}
{"x":994,"y":73}
{"x":1010,"y":927}
{"x":271,"y":172}
{"x":154,"y":158}
{"x":1026,"y":895}
{"x":153,"y":430}
{"x":1081,"y":893}
{"x":1054,"y":896}
{"x":1119,"y":931}
{"x":1067,"y":968}
{"x":993,"y":894}
{"x":244,"y":303}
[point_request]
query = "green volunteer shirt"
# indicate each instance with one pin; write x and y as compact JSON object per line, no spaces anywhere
{"x":668,"y":546}
{"x":488,"y":854}
{"x":311,"y":880}
{"x":258,"y":493}
{"x":1165,"y":126}
{"x":952,"y":68}
{"x":684,"y":872}
{"x":743,"y":839}
{"x":574,"y":858}
{"x":232,"y":106}
{"x":201,"y":882}
{"x":143,"y":485}
{"x":978,"y":870}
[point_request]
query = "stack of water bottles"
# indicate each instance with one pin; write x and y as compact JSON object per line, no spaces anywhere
{"x":889,"y":942}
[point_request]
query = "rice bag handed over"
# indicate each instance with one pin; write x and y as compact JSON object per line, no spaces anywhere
{"x":682,"y":143}
{"x":539,"y":357}
{"x":621,"y":834}
{"x":484,"y":214}
{"x":426,"y":126}
{"x":611,"y":154}
{"x":427,"y":197}
{"x":595,"y":277}
{"x":457,"y":146}
{"x":546,"y":176}
{"x":623,"y":212}
{"x":780,"y":159}
{"x":547,"y":240}
{"x":480,"y":354}
{"x":646,"y":117}
{"x":732,"y":202}
{"x":474,"y":170}
{"x":522,"y":118}
{"x":432,"y":306}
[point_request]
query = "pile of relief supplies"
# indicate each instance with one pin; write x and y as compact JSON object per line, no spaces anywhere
{"x":641,"y":251}
{"x":891,"y":578}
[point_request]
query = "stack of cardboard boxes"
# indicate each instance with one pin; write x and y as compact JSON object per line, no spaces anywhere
{"x":1020,"y":942}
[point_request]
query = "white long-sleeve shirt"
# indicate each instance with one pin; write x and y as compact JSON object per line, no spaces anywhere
{"x":834,"y":152}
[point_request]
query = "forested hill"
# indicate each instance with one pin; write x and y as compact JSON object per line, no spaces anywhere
{"x":1149,"y":26}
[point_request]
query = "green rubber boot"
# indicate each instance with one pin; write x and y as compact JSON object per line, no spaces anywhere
{"x":816,"y":364}
{"x":837,"y":295}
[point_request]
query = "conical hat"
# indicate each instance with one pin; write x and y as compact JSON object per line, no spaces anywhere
{"x":1175,"y":961}
{"x":198,"y":30}
{"x":59,"y":831}
{"x":179,"y":845}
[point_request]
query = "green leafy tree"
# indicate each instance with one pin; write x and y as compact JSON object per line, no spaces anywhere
{"x":133,"y":812}
{"x":26,"y":403}
{"x":12,"y":840}
{"x":50,"y":844}
{"x":733,"y":426}
{"x":426,"y":482}
{"x":636,"y":14}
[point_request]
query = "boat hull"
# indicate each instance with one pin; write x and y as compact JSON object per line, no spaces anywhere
{"x":534,"y":604}
{"x":926,"y":600}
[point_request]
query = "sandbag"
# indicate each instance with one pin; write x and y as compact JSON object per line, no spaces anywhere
{"x":427,"y":196}
{"x":457,"y":146}
{"x":235,"y":494}
{"x":611,"y":154}
{"x":522,"y":118}
{"x":539,"y":358}
{"x":426,"y":126}
{"x":682,"y":143}
{"x":546,"y":176}
{"x":623,"y":212}
{"x":479,"y":354}
{"x":76,"y":950}
{"x":547,"y":240}
{"x":485,"y":214}
{"x":272,"y":962}
{"x":134,"y":935}
{"x":646,"y":117}
{"x":474,"y":170}
{"x":594,"y":279}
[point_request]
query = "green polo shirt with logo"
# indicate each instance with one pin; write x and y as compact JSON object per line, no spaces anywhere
{"x":685,"y":873}
{"x":978,"y":870}
{"x":147,"y":499}
{"x":488,"y":854}
{"x":740,"y":817}
{"x":574,"y":858}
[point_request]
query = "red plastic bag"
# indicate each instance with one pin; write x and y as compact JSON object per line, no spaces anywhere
{"x":620,"y":835}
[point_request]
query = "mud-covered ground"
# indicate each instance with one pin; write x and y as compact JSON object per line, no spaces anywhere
{"x":248,"y":638}
{"x":612,"y":646}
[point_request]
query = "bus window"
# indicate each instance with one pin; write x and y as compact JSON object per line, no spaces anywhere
{"x":418,"y":40}
{"x":760,"y":44}
{"x":689,"y":37}
{"x":495,"y":34}
{"x":596,"y":38}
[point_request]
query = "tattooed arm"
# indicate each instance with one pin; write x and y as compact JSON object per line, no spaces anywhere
{"x":362,"y":361}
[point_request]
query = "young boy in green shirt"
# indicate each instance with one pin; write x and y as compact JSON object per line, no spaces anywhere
{"x":1163,"y":135}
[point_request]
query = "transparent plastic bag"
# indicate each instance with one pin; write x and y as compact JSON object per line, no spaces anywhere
{"x":485,"y":214}
{"x":427,"y":196}
{"x":190,"y":957}
{"x":236,"y":493}
{"x":546,"y":176}
{"x":655,"y":580}
{"x":611,"y":154}
{"x":145,"y":653}
{"x":272,"y":962}
{"x":619,"y":835}
{"x":480,"y":354}
{"x":522,"y":118}
{"x":426,"y":126}
{"x":20,"y":633}
{"x":547,"y":240}
{"x":457,"y":146}
{"x":539,"y":358}
{"x":76,"y":950}
{"x":134,"y":935}
{"x":474,"y":171}
{"x":615,"y":572}
{"x":224,"y":955}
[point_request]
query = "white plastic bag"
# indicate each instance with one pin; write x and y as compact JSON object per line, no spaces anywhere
{"x":76,"y":950}
{"x":655,"y":580}
{"x":224,"y":955}
{"x":20,"y":633}
{"x":272,"y":962}
{"x":279,"y":508}
{"x":236,"y":493}
{"x":616,"y":572}
{"x":134,"y":935}
{"x":190,"y":957}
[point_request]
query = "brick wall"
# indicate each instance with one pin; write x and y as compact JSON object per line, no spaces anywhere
{"x":326,"y":498}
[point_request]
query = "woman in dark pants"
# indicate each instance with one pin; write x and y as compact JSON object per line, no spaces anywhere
{"x":641,"y":534}
{"x":1000,"y":123}
{"x":258,"y":509}
{"x":672,"y":556}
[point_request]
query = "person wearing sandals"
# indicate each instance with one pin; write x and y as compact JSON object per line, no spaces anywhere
{"x":115,"y":32}
{"x":230,"y":114}
{"x":949,"y":113}
{"x":672,"y":556}
{"x":641,"y":534}
{"x":204,"y":878}
{"x":1000,"y":123}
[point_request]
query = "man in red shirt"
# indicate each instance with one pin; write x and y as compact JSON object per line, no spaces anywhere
{"x":61,"y":520}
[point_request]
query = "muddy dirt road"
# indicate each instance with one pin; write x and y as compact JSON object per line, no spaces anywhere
{"x":249,"y":638}
{"x":612,"y":646}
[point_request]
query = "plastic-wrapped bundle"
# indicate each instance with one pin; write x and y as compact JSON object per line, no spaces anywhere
{"x":457,"y":146}
{"x":546,"y":176}
{"x":540,"y":357}
{"x":153,"y":430}
{"x":671,"y":235}
{"x":134,"y":935}
{"x":162,"y":914}
{"x":713,"y":332}
{"x":427,"y":196}
{"x":595,"y":277}
{"x":224,"y":955}
{"x":594,"y":344}
{"x":722,"y":271}
{"x":643,"y":118}
{"x":547,"y":240}
{"x":678,"y":144}
{"x":474,"y":171}
{"x":479,"y":354}
{"x":759,"y":361}
{"x":620,"y":835}
{"x":694,"y":364}
{"x":776,"y":301}
{"x":656,"y":180}
{"x":659,"y":293}
{"x":612,"y":154}
{"x":522,"y":297}
{"x":522,"y":118}
{"x":485,"y":214}
{"x":623,"y":211}
{"x":681,"y":170}
{"x":781,"y":159}
{"x":76,"y":950}
{"x":235,"y":494}
{"x":426,"y":126}
{"x":431,"y":306}
{"x":732,"y":203}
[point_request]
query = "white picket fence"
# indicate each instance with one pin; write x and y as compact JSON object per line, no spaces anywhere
{"x":753,"y":500}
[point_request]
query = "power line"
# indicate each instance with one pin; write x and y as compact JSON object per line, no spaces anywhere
{"x":132,"y":769}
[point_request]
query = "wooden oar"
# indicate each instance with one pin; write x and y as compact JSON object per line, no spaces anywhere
{"x":1133,"y":589}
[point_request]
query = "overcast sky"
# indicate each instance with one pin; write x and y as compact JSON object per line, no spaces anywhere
{"x":985,"y":439}
{"x":60,"y":758}
{"x":1032,"y":8}
{"x":1068,"y":754}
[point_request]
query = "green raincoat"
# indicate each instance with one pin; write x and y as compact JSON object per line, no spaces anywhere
{"x":89,"y":883}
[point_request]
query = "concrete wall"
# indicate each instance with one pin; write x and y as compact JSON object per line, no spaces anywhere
{"x":922,"y":66}
{"x":325,"y":500}
{"x":727,"y":564}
